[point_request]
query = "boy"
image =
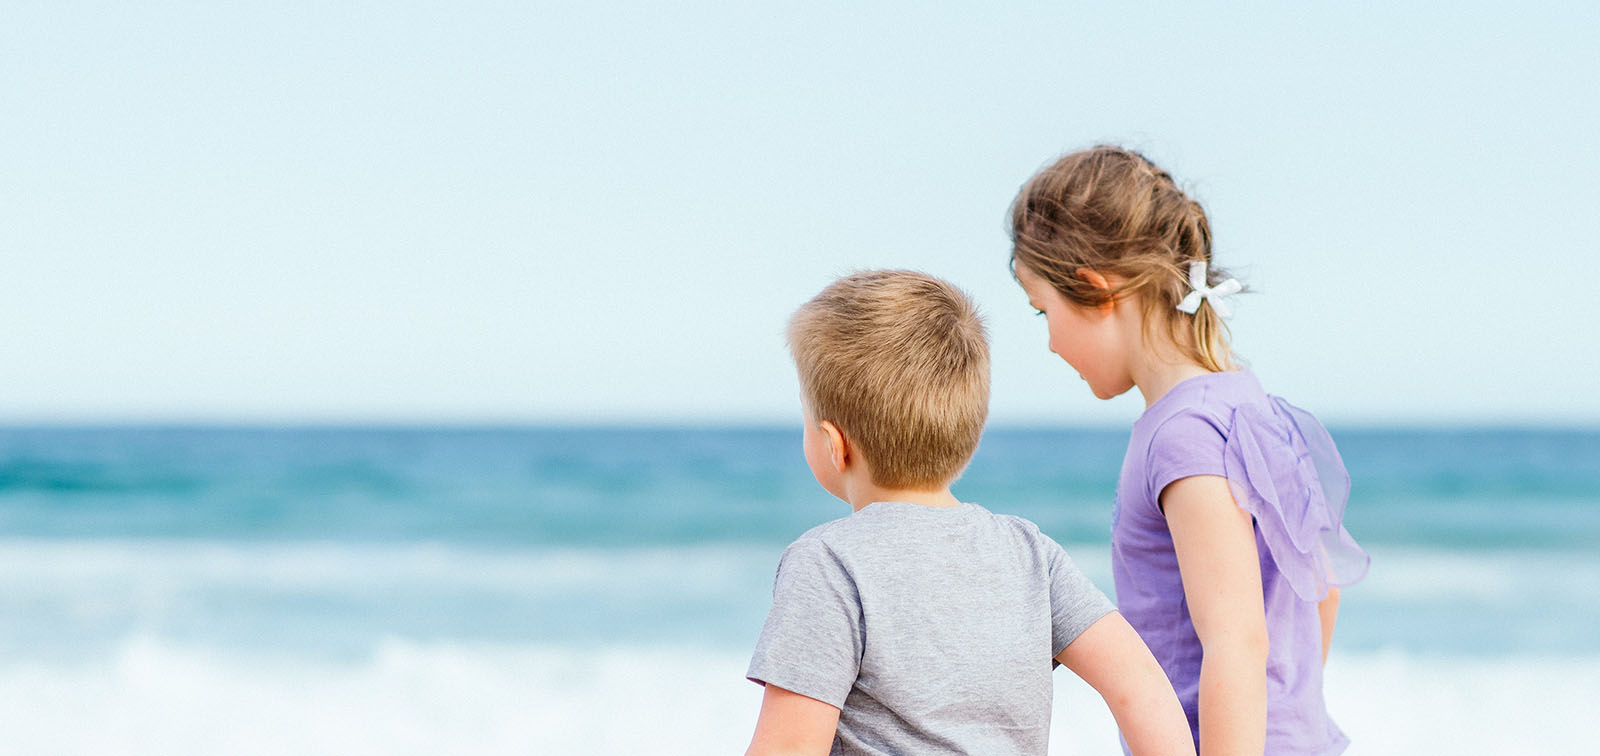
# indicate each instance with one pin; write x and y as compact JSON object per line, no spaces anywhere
{"x":921,"y":624}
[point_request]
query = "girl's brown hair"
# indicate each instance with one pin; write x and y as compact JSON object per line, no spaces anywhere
{"x":1112,"y":211}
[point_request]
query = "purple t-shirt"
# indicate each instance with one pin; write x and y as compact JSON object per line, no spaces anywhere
{"x":1284,"y":470}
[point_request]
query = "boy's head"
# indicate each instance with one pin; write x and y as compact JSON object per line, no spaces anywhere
{"x":898,"y":361}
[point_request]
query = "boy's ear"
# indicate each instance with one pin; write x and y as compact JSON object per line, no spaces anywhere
{"x":1098,"y":280}
{"x":838,"y":447}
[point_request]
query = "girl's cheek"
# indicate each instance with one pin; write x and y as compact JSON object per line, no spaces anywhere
{"x":1056,"y":343}
{"x":1059,"y":343}
{"x":1064,"y":350}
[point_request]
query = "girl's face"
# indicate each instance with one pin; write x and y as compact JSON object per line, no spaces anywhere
{"x":1090,"y":340}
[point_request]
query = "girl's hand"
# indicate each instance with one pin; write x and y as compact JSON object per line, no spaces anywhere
{"x":1216,"y":547}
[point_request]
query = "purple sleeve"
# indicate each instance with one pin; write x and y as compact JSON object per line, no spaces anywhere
{"x":1285,"y":471}
{"x":1188,"y":443}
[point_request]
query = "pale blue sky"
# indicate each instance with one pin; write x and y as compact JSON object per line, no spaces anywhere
{"x":504,"y":212}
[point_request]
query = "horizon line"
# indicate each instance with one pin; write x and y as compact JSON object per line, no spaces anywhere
{"x":726,"y":424}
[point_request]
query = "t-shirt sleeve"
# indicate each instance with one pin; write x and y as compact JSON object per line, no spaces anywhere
{"x":1187,"y":444}
{"x":1075,"y":602}
{"x":813,"y":638}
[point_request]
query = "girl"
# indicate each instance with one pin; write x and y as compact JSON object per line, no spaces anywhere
{"x":1227,"y":546}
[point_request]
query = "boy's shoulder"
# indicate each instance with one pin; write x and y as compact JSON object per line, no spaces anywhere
{"x":823,"y":542}
{"x":821,"y":532}
{"x":1019,"y":523}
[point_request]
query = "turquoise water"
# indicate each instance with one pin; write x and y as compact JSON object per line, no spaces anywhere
{"x":589,"y":535}
{"x":501,"y":590}
{"x":664,"y":487}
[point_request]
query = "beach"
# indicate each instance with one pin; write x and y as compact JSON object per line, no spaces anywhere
{"x":597,"y":591}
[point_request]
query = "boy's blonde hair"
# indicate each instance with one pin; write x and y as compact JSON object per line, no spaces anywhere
{"x":898,"y":360}
{"x":1111,"y":210}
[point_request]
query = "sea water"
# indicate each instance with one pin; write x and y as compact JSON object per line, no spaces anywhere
{"x":597,"y":591}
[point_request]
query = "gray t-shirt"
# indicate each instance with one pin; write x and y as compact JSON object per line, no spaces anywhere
{"x":933,"y":630}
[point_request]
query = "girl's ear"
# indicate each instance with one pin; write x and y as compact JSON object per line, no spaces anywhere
{"x":1094,"y":278}
{"x":1098,"y":280}
{"x":838,"y":448}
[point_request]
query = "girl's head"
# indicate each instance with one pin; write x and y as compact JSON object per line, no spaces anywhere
{"x":1104,"y":230}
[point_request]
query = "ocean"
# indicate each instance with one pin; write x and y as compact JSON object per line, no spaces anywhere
{"x":597,"y":590}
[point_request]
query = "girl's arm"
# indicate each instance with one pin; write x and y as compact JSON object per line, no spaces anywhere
{"x":1113,"y":659}
{"x":1328,"y":612}
{"x":1216,"y":547}
{"x":793,"y":725}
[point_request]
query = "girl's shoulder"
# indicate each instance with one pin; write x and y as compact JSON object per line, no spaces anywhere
{"x":1184,"y":432}
{"x":1228,"y":415}
{"x":1196,"y":403}
{"x":1281,"y":465}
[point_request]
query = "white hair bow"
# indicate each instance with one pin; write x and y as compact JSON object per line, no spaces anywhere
{"x":1197,"y":279}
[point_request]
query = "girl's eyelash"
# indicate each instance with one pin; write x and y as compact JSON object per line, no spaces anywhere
{"x":1038,"y":312}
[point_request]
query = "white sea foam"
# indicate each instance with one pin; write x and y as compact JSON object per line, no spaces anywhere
{"x":1486,"y":575}
{"x":155,"y":573}
{"x":154,"y":697}
{"x":153,"y":583}
{"x":80,"y":596}
{"x":1408,"y":571}
{"x":361,"y":566}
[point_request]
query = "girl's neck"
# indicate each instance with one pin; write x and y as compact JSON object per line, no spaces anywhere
{"x":1154,"y":367}
{"x":1158,"y":373}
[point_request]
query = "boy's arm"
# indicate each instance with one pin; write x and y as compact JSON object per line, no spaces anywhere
{"x":1328,"y":612}
{"x":793,"y":724}
{"x":1216,"y":547}
{"x":1112,"y":658}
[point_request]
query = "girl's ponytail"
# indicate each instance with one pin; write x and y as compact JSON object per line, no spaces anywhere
{"x":1208,"y":332}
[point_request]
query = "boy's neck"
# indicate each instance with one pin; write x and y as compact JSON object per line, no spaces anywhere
{"x":864,"y":492}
